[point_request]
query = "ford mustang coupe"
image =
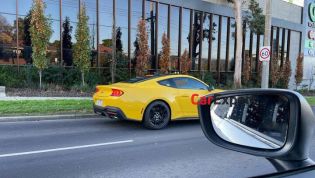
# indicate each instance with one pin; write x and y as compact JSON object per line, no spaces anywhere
{"x":153,"y":100}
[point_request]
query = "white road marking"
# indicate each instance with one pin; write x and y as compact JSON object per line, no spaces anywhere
{"x":63,"y":149}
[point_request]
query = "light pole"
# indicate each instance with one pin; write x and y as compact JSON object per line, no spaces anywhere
{"x":265,"y":67}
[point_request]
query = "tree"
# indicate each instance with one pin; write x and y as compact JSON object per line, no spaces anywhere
{"x":119,"y":46}
{"x":107,"y":43}
{"x":165,"y":55}
{"x":66,"y":42}
{"x":5,"y":38}
{"x":143,"y":55}
{"x":82,"y":49}
{"x":40,"y":32}
{"x":255,"y":18}
{"x":299,"y":70}
{"x":239,"y":42}
{"x":185,"y":62}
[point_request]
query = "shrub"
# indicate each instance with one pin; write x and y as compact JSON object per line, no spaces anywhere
{"x":299,"y":70}
{"x":285,"y":74}
{"x":185,"y":62}
{"x":274,"y":71}
{"x":9,"y":77}
{"x":208,"y":78}
{"x":165,"y":55}
{"x":143,"y":54}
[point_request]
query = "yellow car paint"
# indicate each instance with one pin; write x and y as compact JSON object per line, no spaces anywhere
{"x":137,"y":96}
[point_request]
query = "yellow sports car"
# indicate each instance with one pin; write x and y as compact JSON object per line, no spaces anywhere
{"x":154,"y":100}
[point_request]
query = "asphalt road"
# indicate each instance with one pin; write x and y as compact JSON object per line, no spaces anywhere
{"x":107,"y":148}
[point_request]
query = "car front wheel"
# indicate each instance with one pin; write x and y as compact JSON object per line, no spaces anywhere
{"x":157,"y":115}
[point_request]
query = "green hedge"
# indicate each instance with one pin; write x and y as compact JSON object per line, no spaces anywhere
{"x":55,"y":75}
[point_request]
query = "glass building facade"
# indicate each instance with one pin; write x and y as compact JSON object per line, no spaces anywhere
{"x":209,"y":37}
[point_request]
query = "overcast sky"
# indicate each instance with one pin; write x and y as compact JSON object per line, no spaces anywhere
{"x":297,"y":2}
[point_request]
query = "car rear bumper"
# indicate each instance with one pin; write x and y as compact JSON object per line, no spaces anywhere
{"x":109,"y":111}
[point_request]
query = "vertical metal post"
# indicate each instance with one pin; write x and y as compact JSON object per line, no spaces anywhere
{"x":200,"y":43}
{"x":251,"y":50}
{"x":129,"y":35}
{"x":265,"y":67}
{"x":244,"y":42}
{"x":180,"y":37}
{"x":156,"y":36}
{"x":191,"y":35}
{"x":113,"y":63}
{"x":227,"y":54}
{"x":79,"y":6}
{"x":98,"y":35}
{"x":271,"y":44}
{"x":219,"y":50}
{"x":61,"y":36}
{"x":17,"y":36}
{"x":169,"y":22}
{"x":143,"y":9}
{"x":235,"y":43}
{"x":288,"y":45}
{"x":283,"y":47}
{"x":210,"y":42}
{"x":257,"y":52}
{"x":169,"y":31}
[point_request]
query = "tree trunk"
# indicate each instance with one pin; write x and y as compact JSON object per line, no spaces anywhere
{"x":40,"y":79}
{"x":239,"y":44}
{"x":82,"y":76}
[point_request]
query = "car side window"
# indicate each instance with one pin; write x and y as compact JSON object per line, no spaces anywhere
{"x":189,"y":83}
{"x":167,"y":82}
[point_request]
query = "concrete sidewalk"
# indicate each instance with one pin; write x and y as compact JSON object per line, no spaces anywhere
{"x":17,"y":98}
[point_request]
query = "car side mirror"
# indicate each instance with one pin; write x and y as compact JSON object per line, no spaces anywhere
{"x":211,"y":87}
{"x":272,"y":123}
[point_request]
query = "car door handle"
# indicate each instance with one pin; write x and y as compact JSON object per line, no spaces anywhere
{"x":185,"y":96}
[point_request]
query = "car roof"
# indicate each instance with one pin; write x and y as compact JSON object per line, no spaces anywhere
{"x":155,"y":78}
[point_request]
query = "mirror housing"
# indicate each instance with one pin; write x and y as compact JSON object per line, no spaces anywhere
{"x":210,"y":87}
{"x":300,"y":131}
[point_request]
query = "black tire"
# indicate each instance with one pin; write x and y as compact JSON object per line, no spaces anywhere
{"x":157,"y":116}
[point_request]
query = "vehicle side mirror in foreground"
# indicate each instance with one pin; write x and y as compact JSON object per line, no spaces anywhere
{"x":272,"y":123}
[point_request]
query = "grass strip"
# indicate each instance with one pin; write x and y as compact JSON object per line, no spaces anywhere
{"x":37,"y":107}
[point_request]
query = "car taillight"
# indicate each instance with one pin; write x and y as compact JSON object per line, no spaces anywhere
{"x":116,"y":92}
{"x":97,"y":90}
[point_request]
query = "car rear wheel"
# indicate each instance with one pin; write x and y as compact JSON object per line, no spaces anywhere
{"x":157,"y":115}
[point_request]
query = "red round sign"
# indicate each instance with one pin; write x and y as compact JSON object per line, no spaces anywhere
{"x":264,"y":53}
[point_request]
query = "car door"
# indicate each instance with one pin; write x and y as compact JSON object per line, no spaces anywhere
{"x":187,"y":88}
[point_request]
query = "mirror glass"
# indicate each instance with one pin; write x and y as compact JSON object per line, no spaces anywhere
{"x":259,"y":121}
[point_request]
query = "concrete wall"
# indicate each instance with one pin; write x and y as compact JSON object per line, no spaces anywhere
{"x":280,"y":9}
{"x":285,"y":11}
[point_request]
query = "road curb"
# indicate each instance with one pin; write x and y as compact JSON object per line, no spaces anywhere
{"x":47,"y":117}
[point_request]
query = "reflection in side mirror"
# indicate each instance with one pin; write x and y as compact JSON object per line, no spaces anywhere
{"x":258,"y":121}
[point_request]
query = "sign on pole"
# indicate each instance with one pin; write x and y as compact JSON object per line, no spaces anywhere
{"x":264,"y":53}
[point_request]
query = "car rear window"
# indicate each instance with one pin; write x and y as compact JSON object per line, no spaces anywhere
{"x":167,"y":82}
{"x":140,"y":79}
